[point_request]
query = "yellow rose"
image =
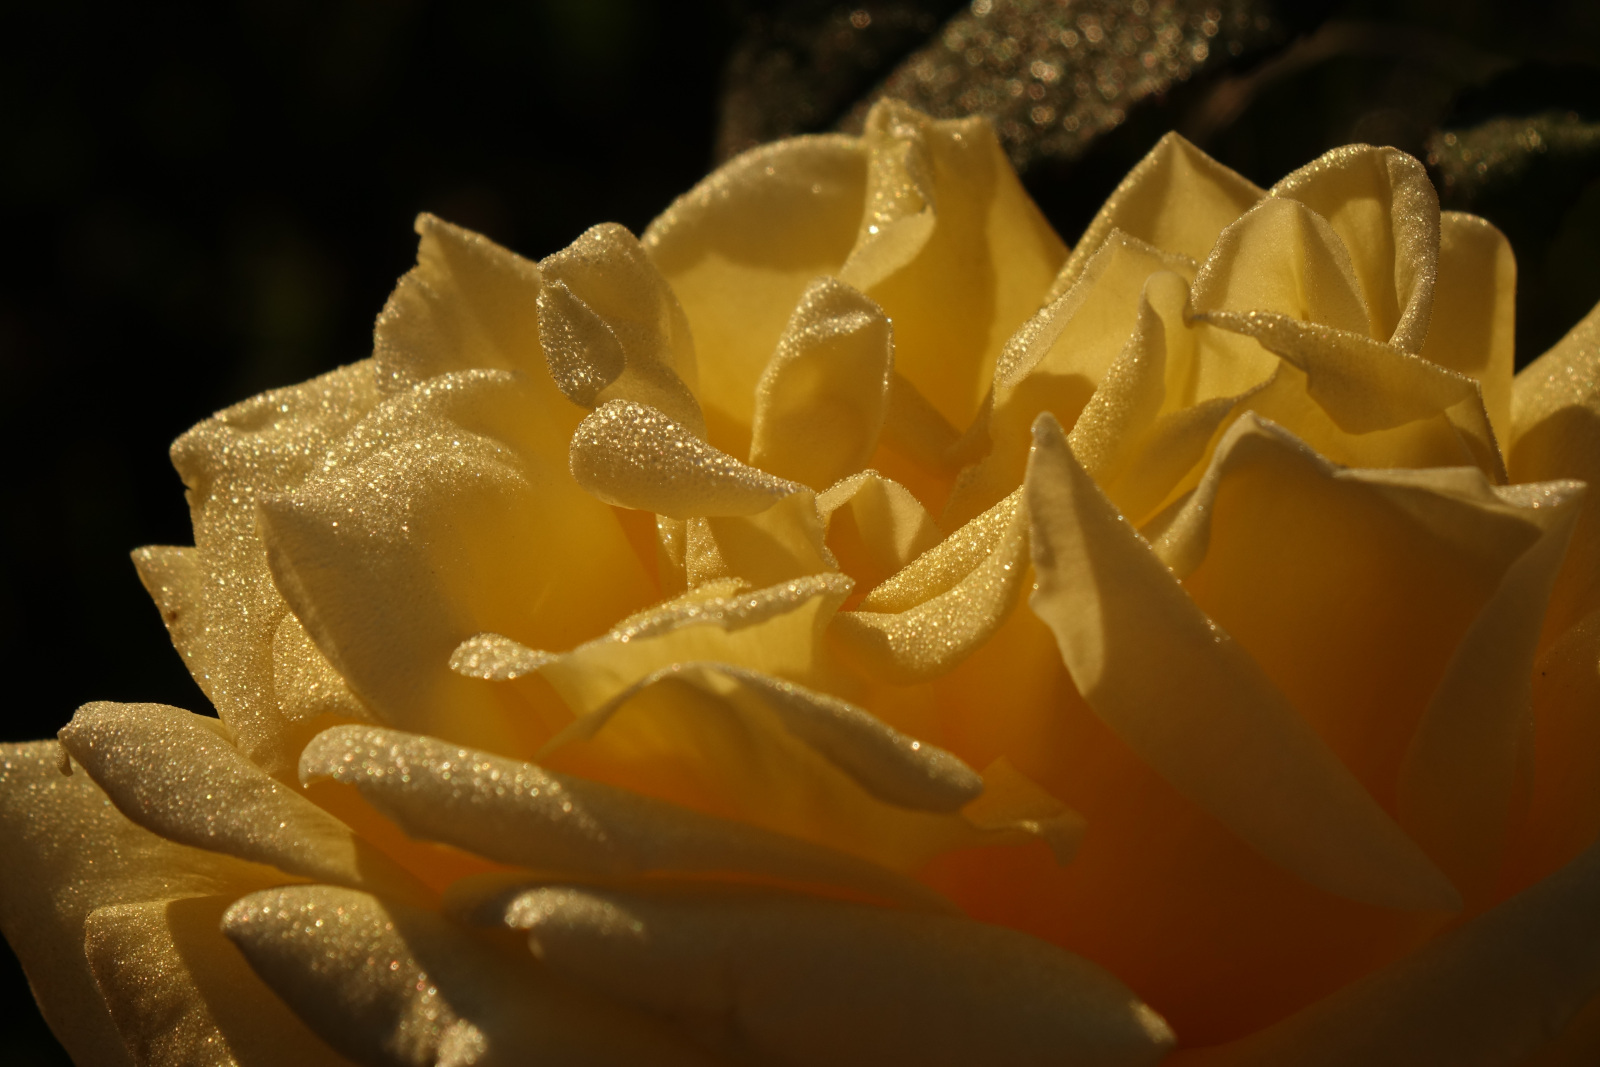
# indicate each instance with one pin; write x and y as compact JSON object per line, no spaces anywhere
{"x":842,"y":627}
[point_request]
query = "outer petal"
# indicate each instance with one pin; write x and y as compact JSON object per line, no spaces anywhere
{"x":1472,"y":328}
{"x":450,"y":511}
{"x":390,"y":985}
{"x":182,"y":996}
{"x":739,"y":249}
{"x":224,"y":609}
{"x":1192,"y":702}
{"x":68,"y":852}
{"x":761,"y":972}
{"x":1485,"y":995}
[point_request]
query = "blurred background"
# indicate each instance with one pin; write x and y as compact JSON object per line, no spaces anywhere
{"x":201,"y":202}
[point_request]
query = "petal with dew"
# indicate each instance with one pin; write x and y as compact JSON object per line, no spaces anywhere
{"x":1381,"y":202}
{"x":171,"y":772}
{"x":393,"y":986}
{"x":875,"y":527}
{"x":738,"y":250}
{"x":181,"y":994}
{"x":269,"y":444}
{"x":1194,"y":705}
{"x":1472,"y":329}
{"x":821,"y":401}
{"x":526,"y":816}
{"x":69,"y":852}
{"x":761,"y":969}
{"x":1176,"y":198}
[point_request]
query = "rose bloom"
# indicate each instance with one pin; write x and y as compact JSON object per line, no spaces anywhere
{"x":841,"y":626}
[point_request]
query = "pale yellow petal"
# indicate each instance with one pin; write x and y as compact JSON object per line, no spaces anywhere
{"x":392,"y":986}
{"x":268,"y":444}
{"x":1487,"y":994}
{"x":1177,"y":198}
{"x":468,"y":304}
{"x":1381,"y":202}
{"x":449,"y":512}
{"x":1472,"y":328}
{"x":1193,"y":704}
{"x":876,"y":527}
{"x":763,"y":971}
{"x":637,"y":457}
{"x":612,"y":329}
{"x":943,"y":624}
{"x":175,"y":578}
{"x":67,"y":852}
{"x":739,"y":248}
{"x":305,"y":684}
{"x":1555,"y":409}
{"x":784,"y":542}
{"x":821,"y":401}
{"x":523,"y":815}
{"x":171,"y":772}
{"x":1460,"y":774}
{"x":951,"y":248}
{"x":182,"y":996}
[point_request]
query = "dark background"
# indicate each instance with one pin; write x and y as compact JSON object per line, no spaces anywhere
{"x":202,"y":202}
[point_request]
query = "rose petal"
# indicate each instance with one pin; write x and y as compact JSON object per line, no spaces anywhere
{"x":68,"y":851}
{"x":1282,"y":257}
{"x":732,"y":744}
{"x":521,"y":814}
{"x":951,"y":248}
{"x":175,"y":578}
{"x":1472,"y":328}
{"x":268,"y":444}
{"x":1381,"y":202}
{"x":784,"y":542}
{"x":449,"y":512}
{"x":171,"y":772}
{"x":1555,"y":408}
{"x":821,"y":401}
{"x":875,"y":527}
{"x":390,"y":985}
{"x":1176,"y":198}
{"x":1484,"y":995}
{"x":760,"y":970}
{"x":180,"y":994}
{"x":739,"y":248}
{"x":612,"y":329}
{"x":1194,"y":705}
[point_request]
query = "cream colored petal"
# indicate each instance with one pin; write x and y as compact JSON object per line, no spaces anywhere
{"x":448,"y":513}
{"x":175,"y":578}
{"x":523,"y":815}
{"x":67,"y":852}
{"x":784,"y":542}
{"x":1472,"y":328}
{"x":637,"y":457}
{"x":951,"y":248}
{"x":171,"y":772}
{"x":468,"y":304}
{"x":739,"y":746}
{"x":1282,"y":257}
{"x":1487,"y":994}
{"x":1056,"y":361}
{"x":1555,"y":409}
{"x":807,"y":981}
{"x":1367,"y":388}
{"x":612,"y":329}
{"x":821,"y":401}
{"x":942,"y":624}
{"x":1177,"y":198}
{"x":1460,"y":775}
{"x":739,"y":248}
{"x":1195,"y":706}
{"x":1380,"y":201}
{"x":305,"y":683}
{"x":268,"y":444}
{"x":775,"y":631}
{"x":392,"y":986}
{"x":182,"y":996}
{"x":875,"y":527}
